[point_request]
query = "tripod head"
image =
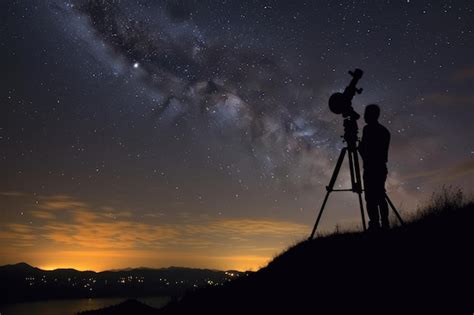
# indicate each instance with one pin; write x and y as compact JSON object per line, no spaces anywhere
{"x":350,"y":133}
{"x":341,"y":103}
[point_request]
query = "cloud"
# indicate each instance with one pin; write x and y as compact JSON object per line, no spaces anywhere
{"x":22,"y":229}
{"x":464,"y":74}
{"x":17,"y":235}
{"x":12,"y":193}
{"x":72,"y":233}
{"x":67,"y":224}
{"x":114,"y":214}
{"x":43,"y":214}
{"x":245,"y":228}
{"x":444,"y":175}
{"x":89,"y":230}
{"x":60,"y":202}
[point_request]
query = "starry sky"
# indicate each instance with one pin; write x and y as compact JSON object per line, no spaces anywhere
{"x":197,"y":133}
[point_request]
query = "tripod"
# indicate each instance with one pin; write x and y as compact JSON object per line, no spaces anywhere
{"x":350,"y":136}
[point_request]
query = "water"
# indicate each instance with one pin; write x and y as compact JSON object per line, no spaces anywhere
{"x":71,"y":307}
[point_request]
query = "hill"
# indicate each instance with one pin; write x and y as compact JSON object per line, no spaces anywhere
{"x":423,"y":266}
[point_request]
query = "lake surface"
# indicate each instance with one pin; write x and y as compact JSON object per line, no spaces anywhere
{"x":71,"y":307}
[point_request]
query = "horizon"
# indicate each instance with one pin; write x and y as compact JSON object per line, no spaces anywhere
{"x":198,"y":133}
{"x":284,"y":284}
{"x":121,"y":269}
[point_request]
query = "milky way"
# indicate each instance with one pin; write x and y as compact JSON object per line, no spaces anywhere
{"x":231,"y":79}
{"x":191,"y":65}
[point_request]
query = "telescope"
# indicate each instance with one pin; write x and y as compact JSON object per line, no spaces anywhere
{"x":341,"y":103}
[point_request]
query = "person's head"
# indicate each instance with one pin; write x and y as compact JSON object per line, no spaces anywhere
{"x":372,"y":113}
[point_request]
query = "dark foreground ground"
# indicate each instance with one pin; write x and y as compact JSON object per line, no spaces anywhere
{"x":426,"y":266}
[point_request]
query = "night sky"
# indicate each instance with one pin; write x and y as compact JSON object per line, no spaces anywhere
{"x":197,"y":133}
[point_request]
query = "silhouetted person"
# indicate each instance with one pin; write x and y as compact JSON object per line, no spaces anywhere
{"x":374,"y":151}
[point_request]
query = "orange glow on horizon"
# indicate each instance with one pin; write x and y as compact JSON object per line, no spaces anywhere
{"x":239,"y":263}
{"x":55,"y":267}
{"x":101,"y":261}
{"x":69,"y":233}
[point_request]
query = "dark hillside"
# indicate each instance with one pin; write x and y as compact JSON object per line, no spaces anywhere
{"x":426,"y":265}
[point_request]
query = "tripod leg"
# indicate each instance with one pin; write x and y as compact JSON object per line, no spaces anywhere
{"x":337,"y":168}
{"x":329,"y":189}
{"x":394,"y":209}
{"x":351,"y":170}
{"x":357,"y":184}
{"x":320,"y":214}
{"x":361,"y":205}
{"x":358,"y":180}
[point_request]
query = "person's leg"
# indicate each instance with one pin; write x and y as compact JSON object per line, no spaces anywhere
{"x":382,"y":202}
{"x":370,"y":194}
{"x":383,"y":206}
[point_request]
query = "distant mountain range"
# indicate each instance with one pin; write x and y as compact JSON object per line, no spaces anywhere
{"x":22,"y":282}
